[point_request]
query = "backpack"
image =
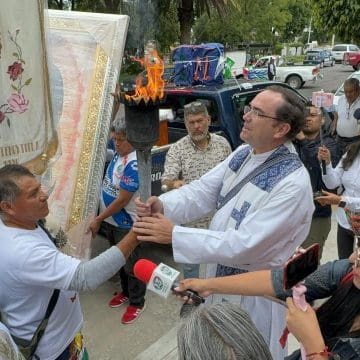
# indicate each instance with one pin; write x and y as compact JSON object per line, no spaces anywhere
{"x":182,"y":57}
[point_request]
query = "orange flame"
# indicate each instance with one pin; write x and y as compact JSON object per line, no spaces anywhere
{"x":155,"y":84}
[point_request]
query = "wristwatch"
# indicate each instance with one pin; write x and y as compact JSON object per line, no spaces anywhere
{"x":342,"y":203}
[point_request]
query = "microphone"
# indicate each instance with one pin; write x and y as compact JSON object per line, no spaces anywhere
{"x":161,"y":279}
{"x":357,"y":114}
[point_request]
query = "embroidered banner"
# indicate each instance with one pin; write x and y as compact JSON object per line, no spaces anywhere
{"x":57,"y":71}
{"x":86,"y":49}
{"x":27,"y":131}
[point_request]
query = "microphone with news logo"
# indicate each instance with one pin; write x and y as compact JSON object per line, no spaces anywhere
{"x":161,"y":279}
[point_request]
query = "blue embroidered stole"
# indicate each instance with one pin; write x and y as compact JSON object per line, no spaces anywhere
{"x":265,"y":181}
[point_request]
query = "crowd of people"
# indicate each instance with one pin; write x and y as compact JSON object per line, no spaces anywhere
{"x":242,"y":214}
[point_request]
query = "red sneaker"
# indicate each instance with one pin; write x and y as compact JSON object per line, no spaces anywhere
{"x":131,"y":314}
{"x":118,"y":300}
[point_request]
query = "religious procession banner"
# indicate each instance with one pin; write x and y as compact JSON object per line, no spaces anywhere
{"x":86,"y":51}
{"x":27,"y":130}
{"x":57,"y":72}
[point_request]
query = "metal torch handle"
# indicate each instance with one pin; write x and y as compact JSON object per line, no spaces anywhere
{"x":323,"y":167}
{"x":144,"y":169}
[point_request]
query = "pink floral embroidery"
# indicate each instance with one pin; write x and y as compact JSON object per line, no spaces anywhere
{"x":2,"y":117}
{"x":16,"y":102}
{"x":15,"y":70}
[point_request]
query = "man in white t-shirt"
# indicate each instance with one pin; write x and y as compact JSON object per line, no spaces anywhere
{"x":31,"y":267}
{"x":347,"y":127}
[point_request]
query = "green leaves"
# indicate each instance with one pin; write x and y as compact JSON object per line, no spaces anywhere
{"x":340,"y":17}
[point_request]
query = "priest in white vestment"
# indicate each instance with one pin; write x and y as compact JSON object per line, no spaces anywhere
{"x":259,"y":225}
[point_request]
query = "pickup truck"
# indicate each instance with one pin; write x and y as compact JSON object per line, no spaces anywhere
{"x":293,"y":75}
{"x":225,"y":105}
{"x":352,"y":58}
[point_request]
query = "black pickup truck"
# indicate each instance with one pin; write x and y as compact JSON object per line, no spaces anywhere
{"x":225,"y":105}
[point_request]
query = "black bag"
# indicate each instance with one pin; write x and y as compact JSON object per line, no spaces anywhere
{"x":28,"y":348}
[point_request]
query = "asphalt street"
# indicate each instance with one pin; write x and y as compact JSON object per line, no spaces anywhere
{"x":107,"y":338}
{"x":333,"y":77}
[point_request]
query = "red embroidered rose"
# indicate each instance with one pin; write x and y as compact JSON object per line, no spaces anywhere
{"x":2,"y":117}
{"x":15,"y":70}
{"x":18,"y":103}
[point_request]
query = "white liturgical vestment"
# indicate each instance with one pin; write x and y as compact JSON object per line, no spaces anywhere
{"x":259,"y":228}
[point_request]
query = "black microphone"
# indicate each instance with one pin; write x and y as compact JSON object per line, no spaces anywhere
{"x":357,"y":114}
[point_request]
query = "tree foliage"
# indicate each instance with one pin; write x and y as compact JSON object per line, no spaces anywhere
{"x":166,"y":26}
{"x":300,"y":12}
{"x":255,"y":22}
{"x":340,"y":17}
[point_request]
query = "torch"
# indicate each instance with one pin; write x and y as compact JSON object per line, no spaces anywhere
{"x":142,"y":128}
{"x":142,"y":116}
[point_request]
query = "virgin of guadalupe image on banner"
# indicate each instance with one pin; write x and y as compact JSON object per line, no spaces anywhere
{"x":86,"y":51}
{"x":27,"y":129}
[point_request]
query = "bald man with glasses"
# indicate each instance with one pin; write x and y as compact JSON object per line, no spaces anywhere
{"x":262,"y":198}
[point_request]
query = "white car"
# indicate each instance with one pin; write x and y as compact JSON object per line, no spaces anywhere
{"x":339,"y":50}
{"x":340,"y":90}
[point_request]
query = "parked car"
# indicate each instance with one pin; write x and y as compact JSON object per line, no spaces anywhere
{"x":352,"y":59}
{"x":321,"y":57}
{"x":339,"y":50}
{"x":340,"y":90}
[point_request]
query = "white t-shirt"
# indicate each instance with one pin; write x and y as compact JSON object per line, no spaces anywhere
{"x":347,"y":125}
{"x":31,"y":267}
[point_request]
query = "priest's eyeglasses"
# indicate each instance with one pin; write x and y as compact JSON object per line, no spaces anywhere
{"x":257,"y":113}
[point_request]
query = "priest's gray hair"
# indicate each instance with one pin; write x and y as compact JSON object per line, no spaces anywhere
{"x":220,"y":331}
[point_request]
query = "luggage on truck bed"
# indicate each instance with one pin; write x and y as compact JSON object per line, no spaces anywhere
{"x":198,"y":64}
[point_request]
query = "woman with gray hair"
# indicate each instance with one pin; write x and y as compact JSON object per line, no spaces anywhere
{"x":220,"y":331}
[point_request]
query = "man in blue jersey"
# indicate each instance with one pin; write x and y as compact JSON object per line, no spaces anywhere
{"x":117,"y":210}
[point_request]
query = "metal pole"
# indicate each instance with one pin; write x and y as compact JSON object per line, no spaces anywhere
{"x":309,"y":29}
{"x":144,"y":169}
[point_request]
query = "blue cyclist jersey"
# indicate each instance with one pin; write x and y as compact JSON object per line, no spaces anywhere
{"x":122,"y":173}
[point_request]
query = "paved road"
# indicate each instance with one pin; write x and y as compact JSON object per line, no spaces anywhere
{"x":333,"y":77}
{"x":108,"y":339}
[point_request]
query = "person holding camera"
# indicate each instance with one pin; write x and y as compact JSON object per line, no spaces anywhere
{"x":307,"y":143}
{"x":334,"y":333}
